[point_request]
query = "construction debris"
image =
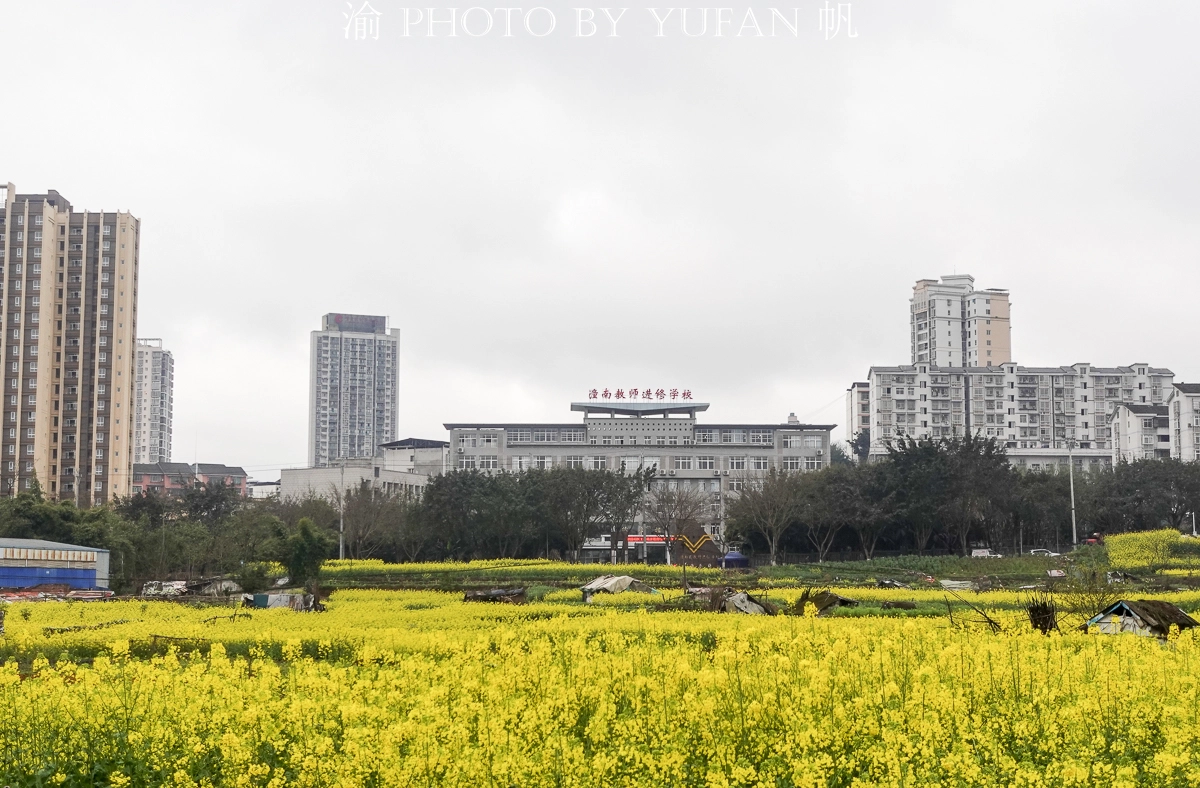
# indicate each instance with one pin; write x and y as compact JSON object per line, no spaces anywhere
{"x":301,"y":603}
{"x":1145,"y":617}
{"x":891,"y":584}
{"x":614,"y":584}
{"x":741,"y":602}
{"x":165,"y":588}
{"x":221,"y":588}
{"x":730,"y":600}
{"x":899,"y":605}
{"x":54,"y":593}
{"x":508,"y":596}
{"x":956,"y":585}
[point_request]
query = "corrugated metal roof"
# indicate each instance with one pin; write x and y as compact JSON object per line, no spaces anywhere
{"x":42,"y":544}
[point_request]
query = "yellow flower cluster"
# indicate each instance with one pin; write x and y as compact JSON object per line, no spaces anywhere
{"x":1151,"y":549}
{"x":420,"y":689}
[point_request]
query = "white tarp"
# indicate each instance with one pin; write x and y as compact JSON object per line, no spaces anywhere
{"x":957,"y":585}
{"x":616,"y":584}
{"x":742,"y":603}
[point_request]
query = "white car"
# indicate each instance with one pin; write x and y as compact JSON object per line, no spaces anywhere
{"x":985,"y":553}
{"x":1043,"y":552}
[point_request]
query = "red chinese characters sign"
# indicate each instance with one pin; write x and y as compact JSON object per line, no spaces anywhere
{"x":638,"y":393}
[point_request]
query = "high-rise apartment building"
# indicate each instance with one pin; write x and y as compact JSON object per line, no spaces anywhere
{"x":955,"y":325}
{"x":1043,"y":416}
{"x":68,"y":312}
{"x":353,"y":384}
{"x":153,"y":402}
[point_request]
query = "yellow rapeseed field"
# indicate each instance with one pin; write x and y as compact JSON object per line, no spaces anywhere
{"x":420,"y":689}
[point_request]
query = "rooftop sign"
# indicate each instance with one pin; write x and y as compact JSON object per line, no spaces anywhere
{"x":647,"y":395}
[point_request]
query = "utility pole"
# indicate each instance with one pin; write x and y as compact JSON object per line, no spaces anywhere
{"x":1071,"y":472}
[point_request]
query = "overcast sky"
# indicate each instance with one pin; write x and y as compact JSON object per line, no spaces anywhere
{"x":741,"y":216}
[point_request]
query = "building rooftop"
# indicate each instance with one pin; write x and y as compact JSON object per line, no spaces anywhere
{"x":999,"y":369}
{"x":608,"y":407}
{"x":183,"y":468}
{"x":361,"y":324}
{"x":1188,"y":388}
{"x":415,"y":443}
{"x":1144,"y":410}
{"x":42,"y":544}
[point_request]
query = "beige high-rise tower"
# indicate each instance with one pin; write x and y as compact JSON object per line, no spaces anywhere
{"x":954,"y":325}
{"x":69,"y":317}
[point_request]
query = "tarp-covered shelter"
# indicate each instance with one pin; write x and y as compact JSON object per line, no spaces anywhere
{"x":615,"y":584}
{"x":1146,"y":617}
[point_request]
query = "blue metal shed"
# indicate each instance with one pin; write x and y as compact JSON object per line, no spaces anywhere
{"x":31,"y":562}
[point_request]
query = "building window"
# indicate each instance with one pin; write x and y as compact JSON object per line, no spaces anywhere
{"x":489,"y":462}
{"x":760,"y":463}
{"x":466,"y":463}
{"x":521,"y":463}
{"x":543,"y":462}
{"x":737,"y":463}
{"x":812,"y":464}
{"x":762,"y":437}
{"x":683,"y":463}
{"x":599,"y":463}
{"x":791,"y":463}
{"x":520,"y":436}
{"x":706,"y":463}
{"x":573,"y":461}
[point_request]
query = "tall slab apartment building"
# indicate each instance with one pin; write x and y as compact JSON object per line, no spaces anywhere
{"x":353,"y":382}
{"x":69,"y":317}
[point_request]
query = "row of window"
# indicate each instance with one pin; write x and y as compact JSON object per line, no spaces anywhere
{"x":701,"y":436}
{"x":600,"y":463}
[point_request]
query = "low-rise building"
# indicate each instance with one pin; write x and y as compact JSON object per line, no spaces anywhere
{"x":1140,"y":432}
{"x":174,"y":478}
{"x":416,"y":455}
{"x":31,"y":562}
{"x":665,"y":436}
{"x":257,"y":489}
{"x":1183,"y":410}
{"x":401,"y":467}
{"x":1043,"y":416}
{"x":326,"y":481}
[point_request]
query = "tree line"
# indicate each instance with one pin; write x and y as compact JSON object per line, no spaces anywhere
{"x":944,"y":495}
{"x":954,"y":493}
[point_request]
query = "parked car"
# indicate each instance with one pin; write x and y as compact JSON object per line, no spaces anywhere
{"x":985,"y":553}
{"x":1044,"y":553}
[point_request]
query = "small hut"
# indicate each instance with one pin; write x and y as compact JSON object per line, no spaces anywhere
{"x":1146,"y":617}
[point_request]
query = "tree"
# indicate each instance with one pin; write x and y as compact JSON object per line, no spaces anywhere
{"x":860,"y":444}
{"x":767,"y":505}
{"x":211,"y":503}
{"x":303,"y":552}
{"x":574,"y":505}
{"x":872,"y":503}
{"x":839,"y":455}
{"x":370,"y":515}
{"x":979,"y":474}
{"x":670,"y":508}
{"x":922,"y":483}
{"x":624,"y":496}
{"x":825,"y":505}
